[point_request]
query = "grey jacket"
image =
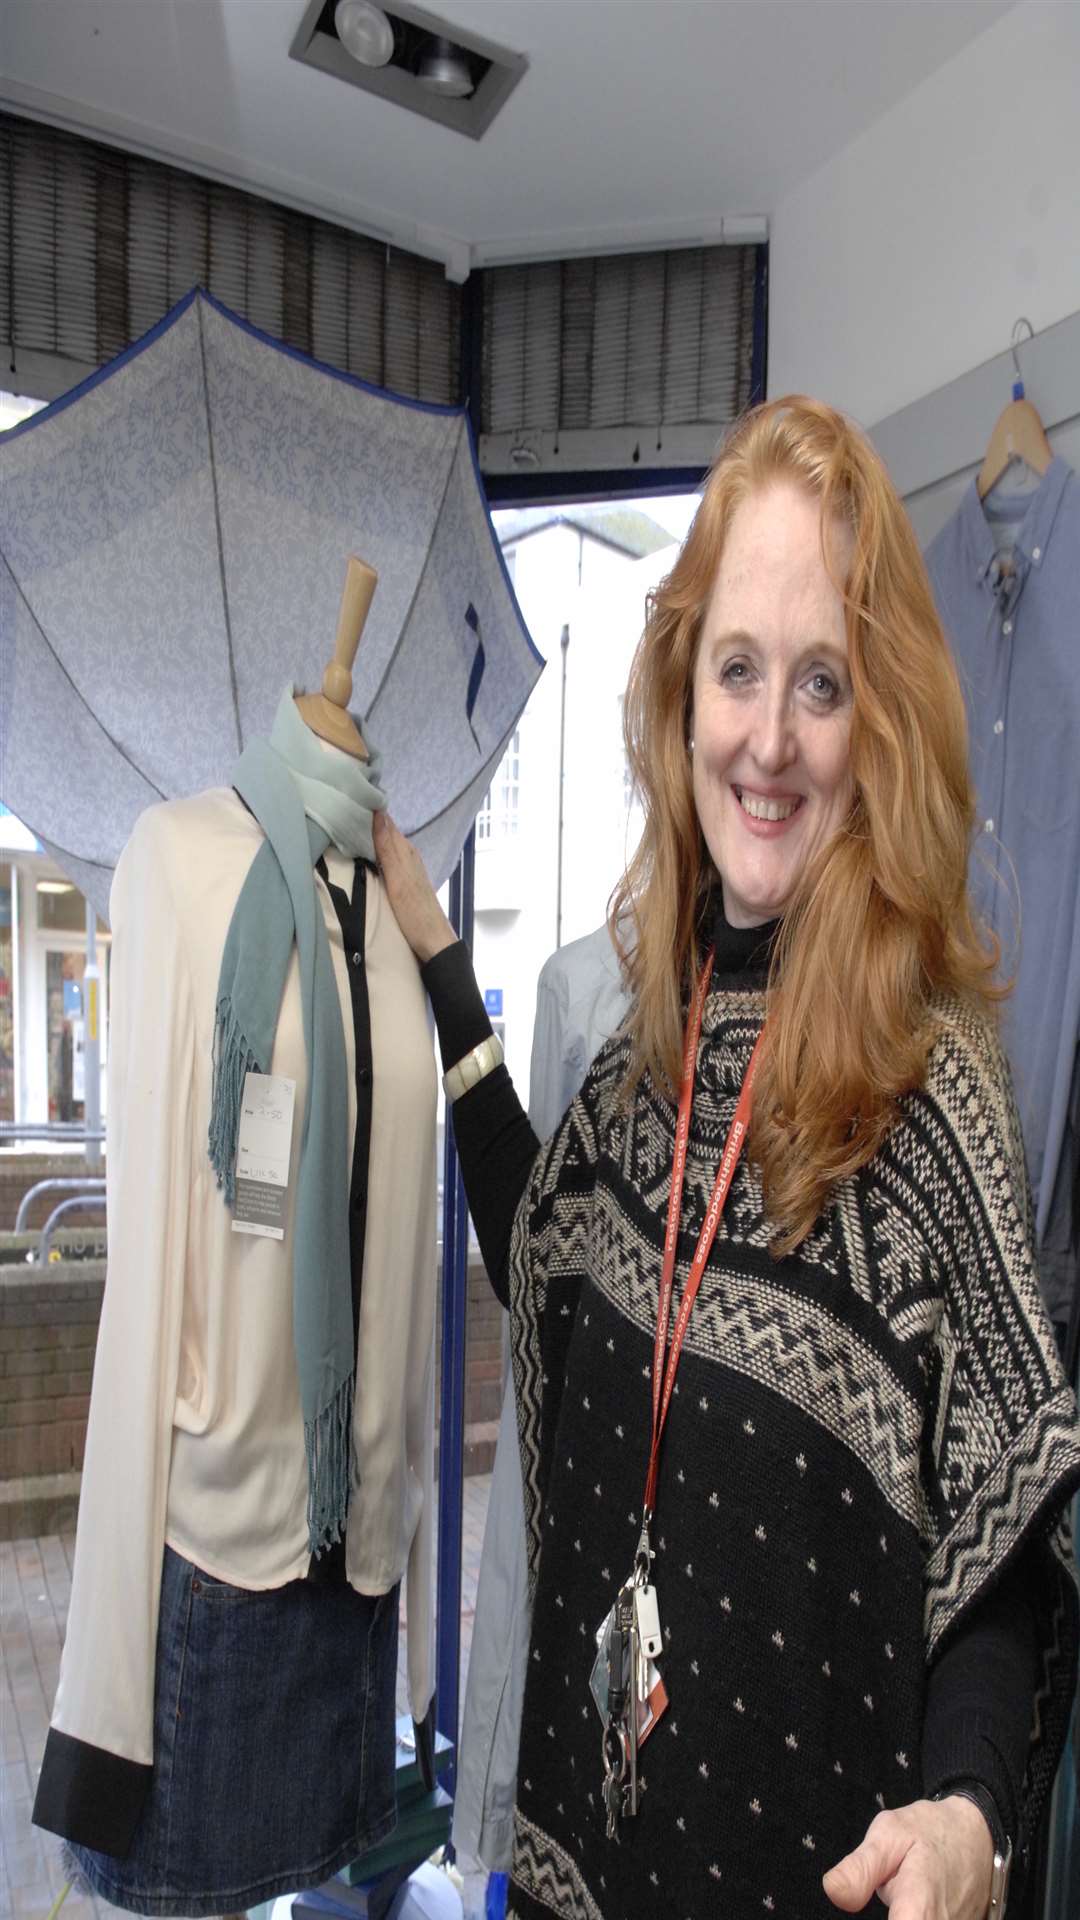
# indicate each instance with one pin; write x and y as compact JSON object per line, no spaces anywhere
{"x":580,"y":1002}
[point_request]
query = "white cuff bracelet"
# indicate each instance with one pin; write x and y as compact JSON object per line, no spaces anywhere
{"x":475,"y":1066}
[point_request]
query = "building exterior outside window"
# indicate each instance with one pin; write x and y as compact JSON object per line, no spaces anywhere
{"x":587,"y":568}
{"x":7,"y":994}
{"x":498,"y":815}
{"x":629,"y":791}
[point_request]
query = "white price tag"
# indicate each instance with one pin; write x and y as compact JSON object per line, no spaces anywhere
{"x":263,"y":1153}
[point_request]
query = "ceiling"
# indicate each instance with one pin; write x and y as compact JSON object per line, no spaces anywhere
{"x":639,"y":122}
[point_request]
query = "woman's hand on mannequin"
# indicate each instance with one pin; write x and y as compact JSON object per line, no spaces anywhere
{"x":410,"y":892}
{"x":931,"y":1860}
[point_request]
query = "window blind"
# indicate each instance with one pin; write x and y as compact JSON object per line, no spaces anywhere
{"x":650,"y":351}
{"x":96,"y":245}
{"x":623,"y":361}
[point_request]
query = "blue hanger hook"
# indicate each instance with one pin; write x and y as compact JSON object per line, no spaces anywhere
{"x":1018,"y":383}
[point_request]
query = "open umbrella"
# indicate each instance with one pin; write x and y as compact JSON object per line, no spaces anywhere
{"x":173,"y":540}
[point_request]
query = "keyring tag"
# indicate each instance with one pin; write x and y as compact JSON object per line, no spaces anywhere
{"x":647,"y":1612}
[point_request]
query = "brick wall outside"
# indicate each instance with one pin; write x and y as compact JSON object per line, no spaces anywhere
{"x":48,"y":1333}
{"x":483,"y":1349}
{"x":21,"y":1171}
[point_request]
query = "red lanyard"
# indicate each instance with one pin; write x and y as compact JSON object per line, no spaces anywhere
{"x":663,"y":1382}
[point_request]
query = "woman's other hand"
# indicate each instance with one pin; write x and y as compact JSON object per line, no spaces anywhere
{"x":932,"y":1860}
{"x":413,"y":898}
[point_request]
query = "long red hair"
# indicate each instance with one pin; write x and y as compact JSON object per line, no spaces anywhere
{"x":881,"y":921}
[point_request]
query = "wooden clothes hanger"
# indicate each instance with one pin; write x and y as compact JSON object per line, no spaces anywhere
{"x":326,"y":712}
{"x":1018,"y":434}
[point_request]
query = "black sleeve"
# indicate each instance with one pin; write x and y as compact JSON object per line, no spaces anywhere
{"x":980,"y":1695}
{"x":495,"y":1142}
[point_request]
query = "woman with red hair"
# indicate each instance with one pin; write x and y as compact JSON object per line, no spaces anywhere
{"x":795,"y":1441}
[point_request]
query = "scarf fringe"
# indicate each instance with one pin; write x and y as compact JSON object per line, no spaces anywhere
{"x":233,"y":1061}
{"x":73,"y":1871}
{"x":327,"y":1439}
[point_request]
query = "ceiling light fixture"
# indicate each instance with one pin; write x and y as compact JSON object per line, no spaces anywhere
{"x":444,"y":70}
{"x":55,"y":886}
{"x":364,"y":31}
{"x":449,"y":74}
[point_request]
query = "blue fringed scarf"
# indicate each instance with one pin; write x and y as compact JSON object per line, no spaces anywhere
{"x":303,"y":799}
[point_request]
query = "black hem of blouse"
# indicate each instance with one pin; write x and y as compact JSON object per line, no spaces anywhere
{"x":88,"y":1795}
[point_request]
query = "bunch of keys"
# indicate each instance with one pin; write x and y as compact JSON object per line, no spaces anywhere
{"x":629,"y":1693}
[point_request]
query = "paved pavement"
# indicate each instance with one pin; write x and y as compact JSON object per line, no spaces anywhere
{"x":35,"y":1587}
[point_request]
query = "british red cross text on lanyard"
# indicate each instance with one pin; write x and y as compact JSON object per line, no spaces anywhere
{"x":626,"y":1683}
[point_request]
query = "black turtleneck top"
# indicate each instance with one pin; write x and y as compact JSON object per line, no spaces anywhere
{"x":980,"y":1690}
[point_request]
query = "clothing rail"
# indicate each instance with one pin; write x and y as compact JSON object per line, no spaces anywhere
{"x":83,"y":1184}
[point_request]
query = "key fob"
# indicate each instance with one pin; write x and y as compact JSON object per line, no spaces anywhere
{"x":648,"y":1622}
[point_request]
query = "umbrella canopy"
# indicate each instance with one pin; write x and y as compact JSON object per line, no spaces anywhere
{"x":173,"y":541}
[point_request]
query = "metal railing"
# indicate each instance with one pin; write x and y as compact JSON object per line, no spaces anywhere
{"x":57,"y":1214}
{"x":82,"y":1185}
{"x":62,"y":1131}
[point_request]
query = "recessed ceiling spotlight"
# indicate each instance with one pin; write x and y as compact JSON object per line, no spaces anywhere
{"x":448,"y":74}
{"x":443,"y":69}
{"x":364,"y":31}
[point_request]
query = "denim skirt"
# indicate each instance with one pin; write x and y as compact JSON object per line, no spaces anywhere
{"x":274,"y":1745}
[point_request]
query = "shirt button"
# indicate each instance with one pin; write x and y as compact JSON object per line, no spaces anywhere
{"x":355,"y":958}
{"x":1006,"y":626}
{"x":363,"y":1074}
{"x":1036,"y":553}
{"x":999,"y":726}
{"x":359,"y":1200}
{"x":988,"y":826}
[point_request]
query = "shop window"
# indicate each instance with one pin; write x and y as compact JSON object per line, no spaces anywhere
{"x":61,"y":908}
{"x":65,"y":1031}
{"x":65,"y":1028}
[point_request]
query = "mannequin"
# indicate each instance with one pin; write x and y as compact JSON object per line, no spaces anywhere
{"x":258,"y":1476}
{"x":326,"y":713}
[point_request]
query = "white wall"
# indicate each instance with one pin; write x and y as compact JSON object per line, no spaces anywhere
{"x":906,"y":260}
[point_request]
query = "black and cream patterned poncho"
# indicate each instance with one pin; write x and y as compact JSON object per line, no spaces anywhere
{"x":864,"y":1436}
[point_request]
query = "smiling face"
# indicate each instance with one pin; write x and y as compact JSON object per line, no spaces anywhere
{"x":772,"y":702}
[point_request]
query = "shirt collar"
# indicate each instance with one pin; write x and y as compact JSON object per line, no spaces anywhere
{"x":1033,"y":537}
